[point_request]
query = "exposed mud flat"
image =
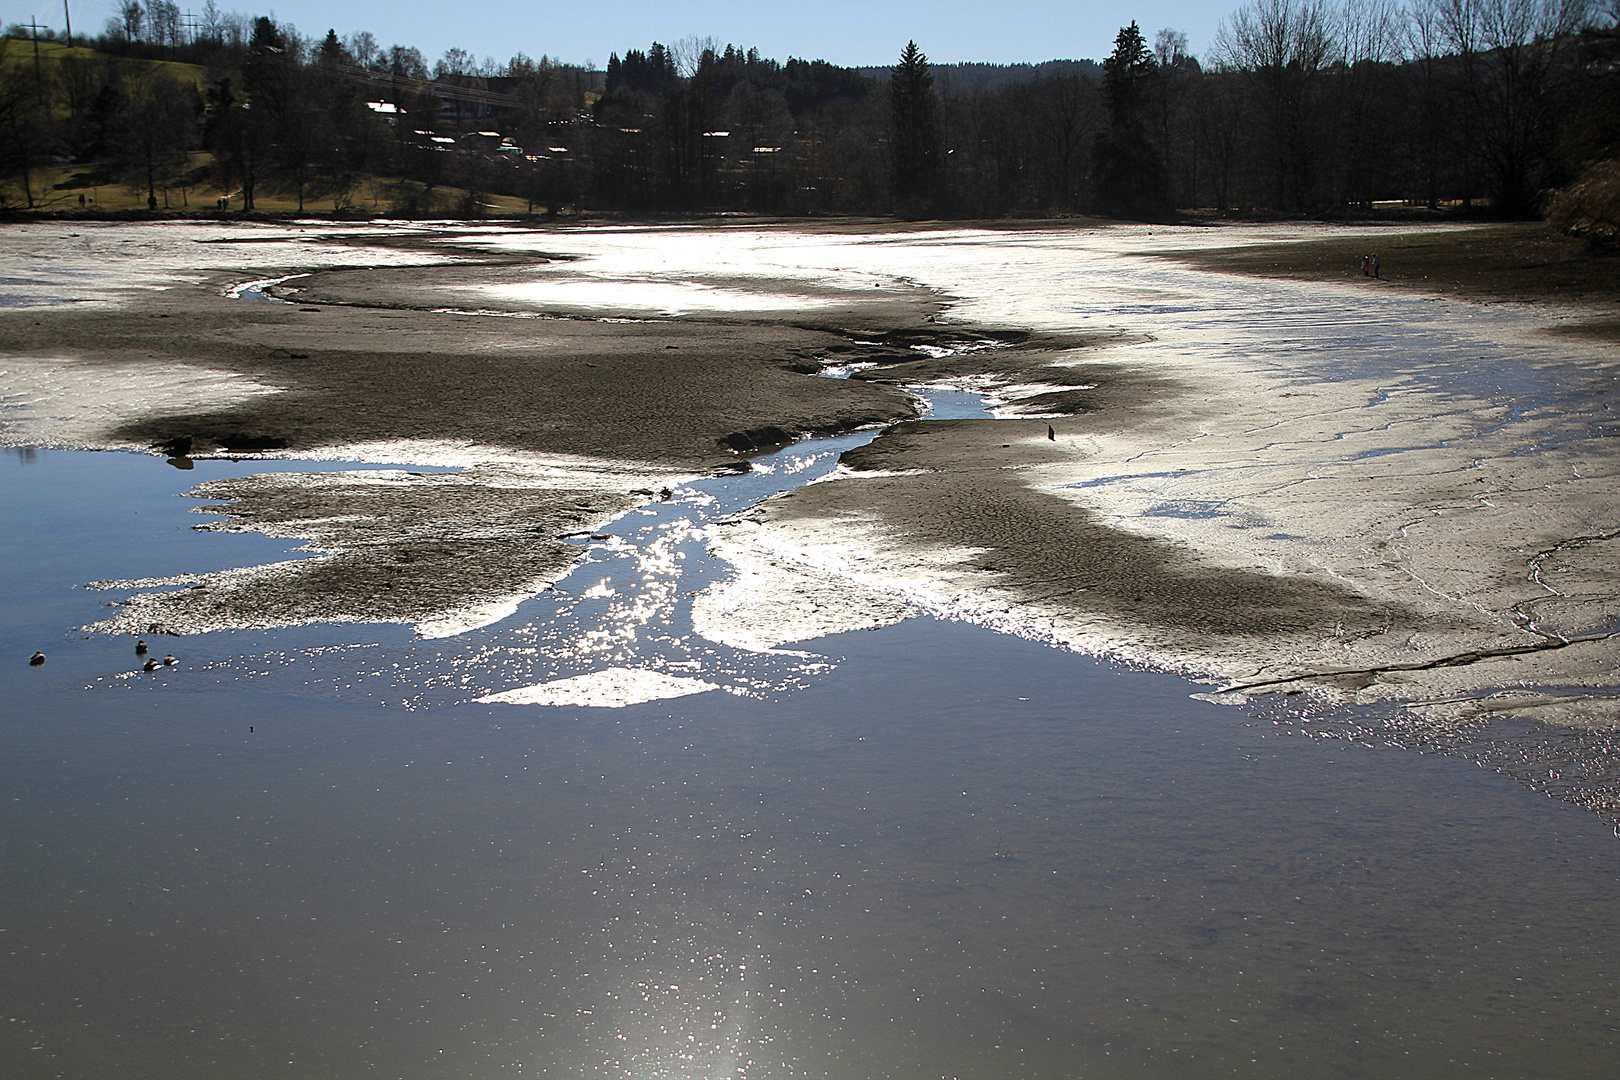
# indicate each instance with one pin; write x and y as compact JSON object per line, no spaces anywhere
{"x":166,"y":355}
{"x":1272,"y":486}
{"x":987,"y":541}
{"x":1469,"y":575}
{"x":1518,"y":263}
{"x":445,"y":552}
{"x":1276,"y":487}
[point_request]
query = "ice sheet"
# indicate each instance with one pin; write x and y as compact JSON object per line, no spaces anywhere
{"x":772,"y":601}
{"x":611,"y":688}
{"x":51,"y":264}
{"x":71,"y":403}
{"x":642,"y":296}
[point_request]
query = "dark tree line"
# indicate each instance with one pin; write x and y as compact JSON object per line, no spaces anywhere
{"x":246,"y":105}
{"x":1300,"y":107}
{"x":1305,"y":108}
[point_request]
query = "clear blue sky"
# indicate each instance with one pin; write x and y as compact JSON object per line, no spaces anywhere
{"x":842,"y":31}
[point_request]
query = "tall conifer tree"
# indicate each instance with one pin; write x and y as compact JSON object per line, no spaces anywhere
{"x":916,"y":135}
{"x":1129,"y":169}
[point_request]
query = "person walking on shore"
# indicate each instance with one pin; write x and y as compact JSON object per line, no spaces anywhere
{"x":1376,"y":274}
{"x":1366,"y":263}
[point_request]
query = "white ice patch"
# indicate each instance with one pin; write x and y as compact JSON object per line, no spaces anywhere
{"x":1012,"y":402}
{"x":772,"y":602}
{"x":75,"y":404}
{"x":473,"y":617}
{"x":54,"y":263}
{"x":844,"y":472}
{"x":611,"y":688}
{"x":844,"y":371}
{"x":497,"y":466}
{"x":646,"y":296}
{"x":256,"y":288}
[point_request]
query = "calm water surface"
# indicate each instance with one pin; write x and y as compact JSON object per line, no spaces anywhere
{"x":950,"y":854}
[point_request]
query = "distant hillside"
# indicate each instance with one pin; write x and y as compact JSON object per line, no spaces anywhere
{"x":966,"y":78}
{"x":16,"y":52}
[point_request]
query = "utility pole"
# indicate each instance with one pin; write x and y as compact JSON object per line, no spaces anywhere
{"x":68,"y":15}
{"x":39,"y":80}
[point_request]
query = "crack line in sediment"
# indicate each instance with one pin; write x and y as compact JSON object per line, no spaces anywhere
{"x":1415,"y":576}
{"x":1520,"y":609}
{"x":1562,"y":545}
{"x":1457,"y":660}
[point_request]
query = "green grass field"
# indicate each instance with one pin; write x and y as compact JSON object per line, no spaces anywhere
{"x":96,"y":187}
{"x":53,"y":55}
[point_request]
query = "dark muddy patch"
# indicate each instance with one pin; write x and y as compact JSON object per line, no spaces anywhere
{"x":386,"y":547}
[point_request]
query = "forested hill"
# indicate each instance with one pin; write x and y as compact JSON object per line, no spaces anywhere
{"x":967,"y":77}
{"x":1300,"y":107}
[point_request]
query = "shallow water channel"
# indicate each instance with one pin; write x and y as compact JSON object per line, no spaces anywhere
{"x":312,"y":853}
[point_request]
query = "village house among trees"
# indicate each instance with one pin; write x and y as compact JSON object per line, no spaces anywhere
{"x":1301,"y":107}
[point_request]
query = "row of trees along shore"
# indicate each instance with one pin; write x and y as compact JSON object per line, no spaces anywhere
{"x":1300,"y":107}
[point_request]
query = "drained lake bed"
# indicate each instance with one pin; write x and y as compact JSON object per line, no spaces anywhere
{"x":928,"y":653}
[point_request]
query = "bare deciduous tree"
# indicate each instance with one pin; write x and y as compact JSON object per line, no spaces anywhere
{"x":363,"y":47}
{"x":158,"y":125}
{"x":688,"y":53}
{"x":454,"y":62}
{"x":1282,"y":48}
{"x":1514,"y":93}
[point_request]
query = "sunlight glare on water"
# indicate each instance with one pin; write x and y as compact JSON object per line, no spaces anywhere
{"x":910,"y":866}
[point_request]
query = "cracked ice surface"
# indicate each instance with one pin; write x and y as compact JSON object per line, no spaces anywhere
{"x":611,"y":688}
{"x":1444,"y":457}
